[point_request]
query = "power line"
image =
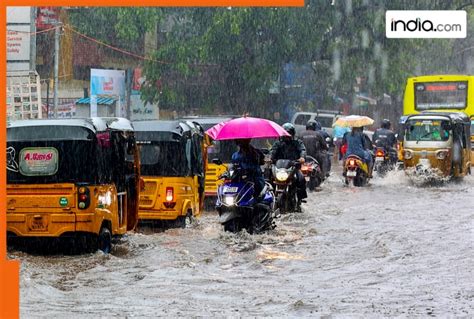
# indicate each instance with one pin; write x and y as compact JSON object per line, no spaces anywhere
{"x":67,"y":27}
{"x":31,"y":33}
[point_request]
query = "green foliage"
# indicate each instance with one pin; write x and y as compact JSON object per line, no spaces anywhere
{"x":229,"y":57}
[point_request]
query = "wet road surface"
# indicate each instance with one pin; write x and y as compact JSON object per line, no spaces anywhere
{"x":389,"y":249}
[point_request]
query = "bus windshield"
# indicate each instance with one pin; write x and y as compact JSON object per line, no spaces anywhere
{"x":440,"y":95}
{"x":427,"y":130}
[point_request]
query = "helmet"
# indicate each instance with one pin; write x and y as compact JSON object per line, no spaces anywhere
{"x":290,"y":128}
{"x":318,"y":126}
{"x":311,"y":125}
{"x":386,"y":124}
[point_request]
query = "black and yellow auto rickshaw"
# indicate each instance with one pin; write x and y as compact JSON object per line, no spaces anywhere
{"x":72,"y":178}
{"x":173,"y":163}
{"x":437,"y":144}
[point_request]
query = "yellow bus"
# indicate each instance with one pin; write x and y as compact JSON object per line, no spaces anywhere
{"x":445,"y":93}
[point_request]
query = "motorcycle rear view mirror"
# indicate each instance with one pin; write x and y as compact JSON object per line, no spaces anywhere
{"x":216,"y":161}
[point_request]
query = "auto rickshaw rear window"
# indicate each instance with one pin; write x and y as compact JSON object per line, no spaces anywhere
{"x":163,"y":159}
{"x":76,"y":161}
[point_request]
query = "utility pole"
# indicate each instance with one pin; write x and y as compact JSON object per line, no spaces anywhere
{"x":56,"y":68}
{"x":33,"y":12}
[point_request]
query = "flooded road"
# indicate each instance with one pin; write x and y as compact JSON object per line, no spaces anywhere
{"x":390,"y":249}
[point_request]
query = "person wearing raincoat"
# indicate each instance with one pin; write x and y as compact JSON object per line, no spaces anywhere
{"x":359,"y":144}
{"x":292,"y":148}
{"x":250,"y":159}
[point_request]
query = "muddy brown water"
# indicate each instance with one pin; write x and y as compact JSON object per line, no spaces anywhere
{"x":389,"y":249}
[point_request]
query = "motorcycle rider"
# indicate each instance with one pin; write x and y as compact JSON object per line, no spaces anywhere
{"x":358,"y":143}
{"x":385,"y":137}
{"x":326,"y":137}
{"x":316,"y":145}
{"x":292,"y":148}
{"x":250,"y":159}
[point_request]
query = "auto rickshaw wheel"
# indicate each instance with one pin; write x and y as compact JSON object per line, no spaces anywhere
{"x":104,"y":240}
{"x":187,"y":220}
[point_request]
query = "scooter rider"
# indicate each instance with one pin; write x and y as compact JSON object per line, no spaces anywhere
{"x":250,"y":159}
{"x":291,"y":148}
{"x":358,"y":143}
{"x":316,"y":145}
{"x":385,"y":137}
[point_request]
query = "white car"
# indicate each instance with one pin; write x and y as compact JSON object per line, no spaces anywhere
{"x":325,"y":117}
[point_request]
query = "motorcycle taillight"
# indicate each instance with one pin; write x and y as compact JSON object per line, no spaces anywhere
{"x":379,"y":153}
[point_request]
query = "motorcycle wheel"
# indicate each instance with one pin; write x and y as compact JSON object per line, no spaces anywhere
{"x":291,"y":202}
{"x":233,"y":226}
{"x":359,"y":181}
{"x":281,"y":203}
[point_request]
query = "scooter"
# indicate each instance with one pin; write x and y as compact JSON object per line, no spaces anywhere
{"x":356,"y":171}
{"x":237,"y":205}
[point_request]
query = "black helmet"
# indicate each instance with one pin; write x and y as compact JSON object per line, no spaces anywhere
{"x":290,"y":128}
{"x":318,"y":126}
{"x":311,"y":125}
{"x":386,"y":124}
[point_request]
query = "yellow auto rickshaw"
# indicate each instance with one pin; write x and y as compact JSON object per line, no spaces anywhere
{"x":437,"y":144}
{"x":72,"y":178}
{"x":173,"y":164}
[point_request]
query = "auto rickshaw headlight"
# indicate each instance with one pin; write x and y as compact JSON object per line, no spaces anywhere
{"x":441,"y":154}
{"x":407,"y":154}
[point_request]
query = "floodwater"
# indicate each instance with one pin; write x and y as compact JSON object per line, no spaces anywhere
{"x":389,"y":249}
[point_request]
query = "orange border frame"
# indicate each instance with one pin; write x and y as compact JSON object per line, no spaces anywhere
{"x":9,"y":270}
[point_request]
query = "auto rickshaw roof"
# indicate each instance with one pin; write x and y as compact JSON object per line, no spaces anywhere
{"x":209,"y":121}
{"x":114,"y":123}
{"x":456,"y":117}
{"x":166,"y":130}
{"x":95,"y":126}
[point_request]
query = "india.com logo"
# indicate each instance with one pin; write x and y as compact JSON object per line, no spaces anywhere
{"x":425,"y":24}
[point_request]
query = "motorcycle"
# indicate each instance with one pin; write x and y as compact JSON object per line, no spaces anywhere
{"x":355,"y":171}
{"x":283,"y":173}
{"x":312,"y":172}
{"x":237,"y":206}
{"x":383,"y":161}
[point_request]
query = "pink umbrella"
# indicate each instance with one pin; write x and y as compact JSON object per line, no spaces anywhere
{"x":246,"y":127}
